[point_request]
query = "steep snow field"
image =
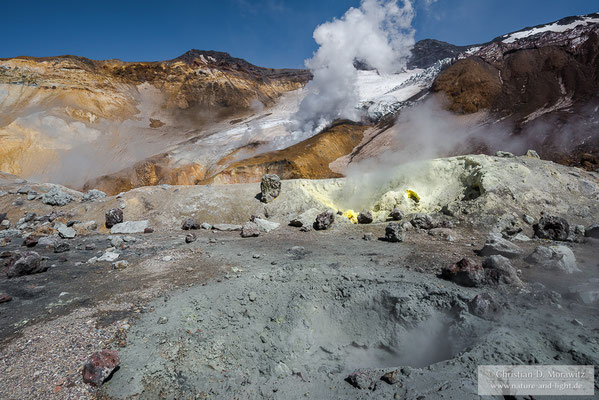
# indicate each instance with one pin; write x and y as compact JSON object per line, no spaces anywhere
{"x":554,"y":27}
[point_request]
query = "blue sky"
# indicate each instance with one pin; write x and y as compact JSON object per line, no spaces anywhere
{"x":271,"y":33}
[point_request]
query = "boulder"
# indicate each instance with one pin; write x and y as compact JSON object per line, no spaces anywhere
{"x":365,"y":217}
{"x":592,"y":231}
{"x":265,"y":225}
{"x":559,"y":258}
{"x":56,"y":197}
{"x":305,"y":219}
{"x":422,"y":221}
{"x":93,"y":195}
{"x":465,"y":272}
{"x":552,"y":227}
{"x":250,"y":229}
{"x":270,"y":187}
{"x":27,"y":264}
{"x":130,"y":227}
{"x":496,"y":245}
{"x":113,"y":216}
{"x":226,"y":227}
{"x":190,"y":223}
{"x":64,"y":231}
{"x":396,"y":214}
{"x":395,"y":232}
{"x":499,"y":269}
{"x":324,"y":220}
{"x":100,"y":366}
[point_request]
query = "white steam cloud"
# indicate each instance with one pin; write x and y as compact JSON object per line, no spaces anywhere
{"x":378,"y":34}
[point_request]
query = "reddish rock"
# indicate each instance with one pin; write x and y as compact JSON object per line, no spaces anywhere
{"x":100,"y":366}
{"x":465,"y":272}
{"x":30,"y":241}
{"x":148,"y":230}
{"x":4,"y":298}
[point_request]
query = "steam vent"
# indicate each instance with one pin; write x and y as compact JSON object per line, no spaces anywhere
{"x":371,"y":213}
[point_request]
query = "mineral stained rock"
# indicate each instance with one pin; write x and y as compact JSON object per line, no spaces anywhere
{"x":365,"y":217}
{"x":324,"y":220}
{"x":465,"y":272}
{"x":552,"y":227}
{"x":270,"y":187}
{"x":250,"y":229}
{"x":100,"y":366}
{"x":113,"y":216}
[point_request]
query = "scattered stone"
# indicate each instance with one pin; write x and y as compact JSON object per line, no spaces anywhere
{"x":206,"y":226}
{"x":496,"y":245}
{"x":521,"y":238}
{"x":265,"y":225}
{"x":148,"y":230}
{"x":368,"y":236}
{"x":31,"y":196}
{"x":31,"y":241}
{"x":190,"y":238}
{"x":100,"y":366}
{"x":552,"y":227}
{"x":129,"y":239}
{"x":576,"y":322}
{"x":250,"y":229}
{"x":113,"y":216}
{"x":362,"y":379}
{"x":90,"y":246}
{"x":483,"y":306}
{"x":61,"y":247}
{"x":465,"y":272}
{"x":26,"y":264}
{"x":64,"y":231}
{"x":86,"y":226}
{"x":270,"y":187}
{"x":559,"y":258}
{"x":422,"y":221}
{"x":444,"y":233}
{"x":162,"y":320}
{"x":116,"y":241}
{"x":391,"y":377}
{"x":532,"y":154}
{"x":226,"y":227}
{"x":395,"y":232}
{"x":93,"y":195}
{"x":122,"y":264}
{"x":504,"y":154}
{"x":190,"y":223}
{"x":4,"y":298}
{"x":24,"y":190}
{"x":365,"y":217}
{"x":499,"y":269}
{"x":256,"y":256}
{"x":592,"y":231}
{"x":396,"y":214}
{"x":130,"y":227}
{"x":252,"y":296}
{"x":324,"y":220}
{"x":109,"y":256}
{"x":56,"y":197}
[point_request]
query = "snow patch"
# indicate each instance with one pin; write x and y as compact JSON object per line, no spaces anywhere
{"x":555,"y":27}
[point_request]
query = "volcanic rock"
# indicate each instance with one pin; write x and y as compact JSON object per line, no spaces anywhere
{"x":305,"y":219}
{"x":226,"y":227}
{"x":465,"y":272}
{"x":368,"y":236}
{"x":265,"y":225}
{"x":270,"y":187}
{"x":532,"y":154}
{"x":190,"y":223}
{"x":499,"y":269}
{"x":4,"y":298}
{"x":592,"y":231}
{"x":559,"y":258}
{"x":190,"y":237}
{"x":394,"y":232}
{"x":483,"y":306}
{"x":552,"y":227}
{"x":324,"y":220}
{"x":362,"y":379}
{"x":396,"y":214}
{"x":496,"y":245}
{"x":64,"y":231}
{"x":93,"y":195}
{"x":113,"y":216}
{"x":31,"y":241}
{"x":130,"y":227}
{"x":56,"y":197}
{"x":61,"y":247}
{"x":100,"y":366}
{"x":365,"y":217}
{"x":422,"y":221}
{"x":250,"y":229}
{"x":391,"y":377}
{"x":109,"y":256}
{"x":27,"y":264}
{"x":149,"y":230}
{"x":206,"y":226}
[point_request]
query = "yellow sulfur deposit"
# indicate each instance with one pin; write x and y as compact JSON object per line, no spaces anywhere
{"x":352,"y":216}
{"x":413,"y":195}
